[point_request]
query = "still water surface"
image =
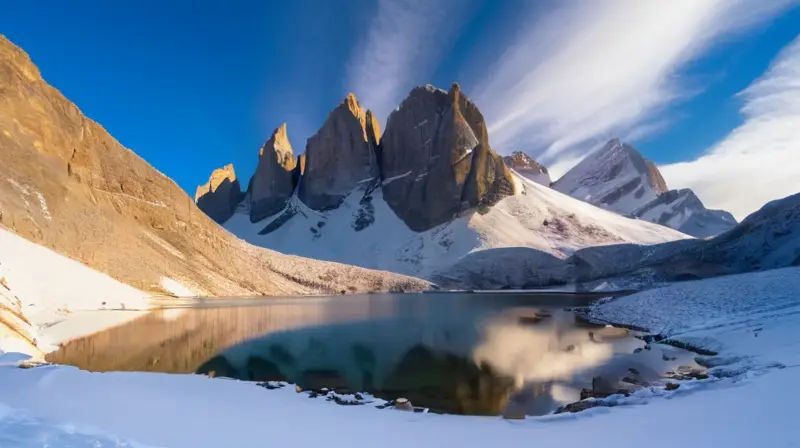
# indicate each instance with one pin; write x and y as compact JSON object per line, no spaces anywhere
{"x":458,"y":353}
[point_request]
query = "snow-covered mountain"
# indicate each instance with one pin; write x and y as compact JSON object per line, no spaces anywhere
{"x":767,"y":239}
{"x":528,"y":168}
{"x":618,"y":178}
{"x":422,"y":196}
{"x":615,"y":177}
{"x":683,"y":210}
{"x":364,"y":231}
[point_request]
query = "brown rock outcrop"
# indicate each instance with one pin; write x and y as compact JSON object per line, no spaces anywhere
{"x":436,"y":160}
{"x":528,"y":168}
{"x":68,"y":185}
{"x":219,"y":196}
{"x":340,"y":157}
{"x":273,"y":183}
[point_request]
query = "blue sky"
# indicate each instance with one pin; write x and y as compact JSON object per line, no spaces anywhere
{"x":192,"y":85}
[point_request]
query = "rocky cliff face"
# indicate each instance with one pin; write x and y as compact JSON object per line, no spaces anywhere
{"x":436,"y":160}
{"x":219,"y":196}
{"x":275,"y":179}
{"x":340,"y":157}
{"x":617,"y":177}
{"x":528,"y":168}
{"x":65,"y":183}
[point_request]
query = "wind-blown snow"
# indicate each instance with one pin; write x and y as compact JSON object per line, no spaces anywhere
{"x":535,"y":217}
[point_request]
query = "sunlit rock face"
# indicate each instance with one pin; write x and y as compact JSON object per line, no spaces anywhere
{"x":275,"y":179}
{"x":220,"y":196}
{"x":340,"y":157}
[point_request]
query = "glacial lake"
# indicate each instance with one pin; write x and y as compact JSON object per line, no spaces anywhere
{"x":470,"y":353}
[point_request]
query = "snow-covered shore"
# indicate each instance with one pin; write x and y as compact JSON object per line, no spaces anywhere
{"x":48,"y":298}
{"x":752,"y":320}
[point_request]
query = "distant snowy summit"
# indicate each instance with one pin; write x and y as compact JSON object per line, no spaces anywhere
{"x":528,"y":168}
{"x":618,"y":178}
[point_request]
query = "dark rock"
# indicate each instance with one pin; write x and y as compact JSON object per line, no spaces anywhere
{"x":260,"y":369}
{"x":689,"y":347}
{"x":218,"y":366}
{"x":436,"y":160}
{"x":273,"y":183}
{"x":318,"y":379}
{"x":219,"y":197}
{"x":671,"y":386}
{"x":583,"y":405}
{"x":279,"y":221}
{"x":340,"y":157}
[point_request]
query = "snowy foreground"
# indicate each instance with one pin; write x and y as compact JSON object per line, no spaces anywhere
{"x":752,"y":320}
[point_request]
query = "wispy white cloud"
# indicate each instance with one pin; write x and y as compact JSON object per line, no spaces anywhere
{"x":760,"y":160}
{"x":401,"y":49}
{"x":589,"y":70}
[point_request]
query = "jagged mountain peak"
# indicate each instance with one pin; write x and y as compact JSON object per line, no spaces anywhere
{"x":341,"y":156}
{"x":616,"y":177}
{"x":279,"y":142}
{"x":529,"y":168}
{"x":279,"y":147}
{"x":218,"y":176}
{"x":436,"y":160}
{"x":219,"y":196}
{"x":275,"y":178}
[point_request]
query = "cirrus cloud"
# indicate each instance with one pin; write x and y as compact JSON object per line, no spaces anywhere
{"x":587,"y":71}
{"x":758,"y":161}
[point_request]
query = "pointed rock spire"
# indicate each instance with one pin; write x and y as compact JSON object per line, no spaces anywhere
{"x":273,"y":183}
{"x":436,"y":157}
{"x":527,"y":167}
{"x":616,"y":177}
{"x":219,"y":196}
{"x":341,"y":156}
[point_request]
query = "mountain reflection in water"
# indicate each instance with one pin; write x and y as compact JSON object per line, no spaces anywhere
{"x":457,"y":353}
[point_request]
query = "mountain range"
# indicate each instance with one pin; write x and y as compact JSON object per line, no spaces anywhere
{"x":426,"y":200}
{"x":69,"y":186}
{"x":414,"y":200}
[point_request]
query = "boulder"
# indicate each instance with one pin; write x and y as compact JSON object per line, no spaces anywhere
{"x":436,"y":160}
{"x":219,"y":196}
{"x":340,"y":157}
{"x":274,"y":181}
